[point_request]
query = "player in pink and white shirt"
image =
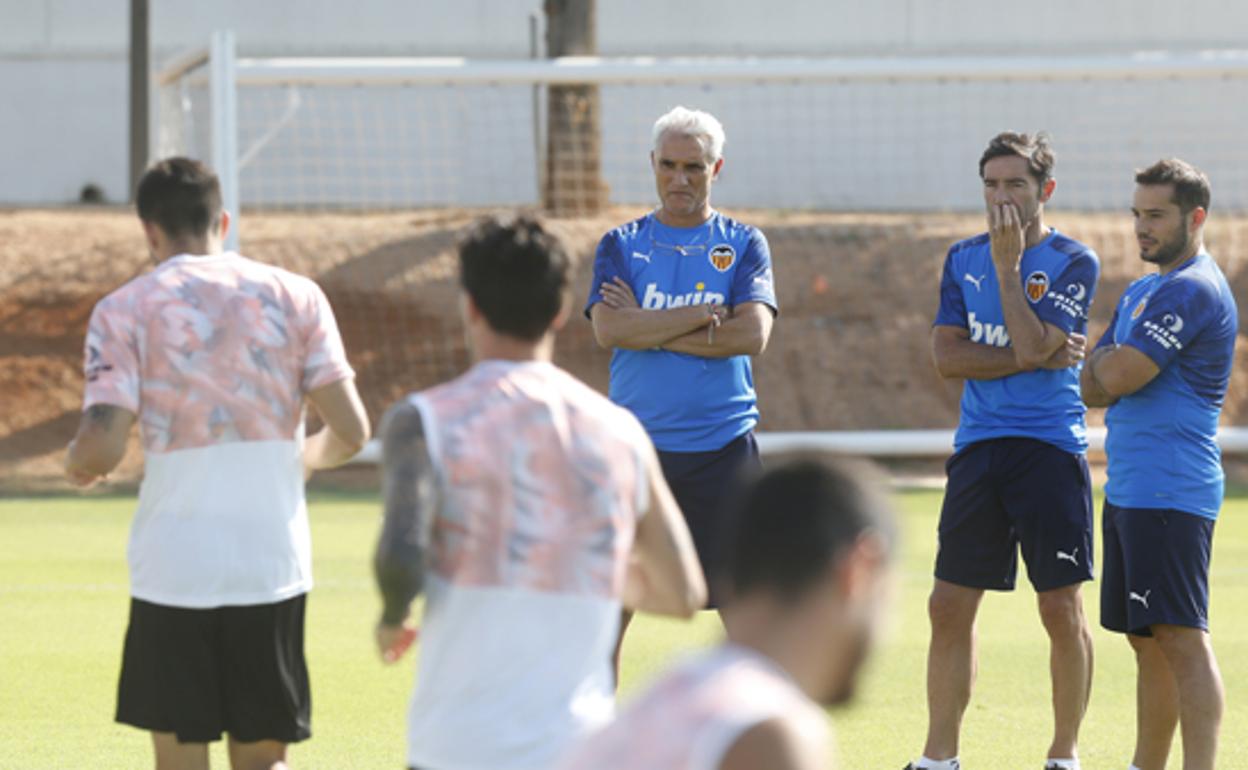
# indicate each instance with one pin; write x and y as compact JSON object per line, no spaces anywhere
{"x":807,"y":561}
{"x":214,"y":355}
{"x":528,"y":509}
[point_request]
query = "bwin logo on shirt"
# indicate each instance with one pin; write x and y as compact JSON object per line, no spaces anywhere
{"x":653,"y":299}
{"x":988,"y":334}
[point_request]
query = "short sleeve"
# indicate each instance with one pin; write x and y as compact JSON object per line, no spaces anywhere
{"x":1174,"y":315}
{"x":112,"y":361}
{"x":952,"y":311}
{"x":753,"y":280}
{"x":1108,"y":337}
{"x":607,"y":266}
{"x":325,"y":359}
{"x":1065,"y":304}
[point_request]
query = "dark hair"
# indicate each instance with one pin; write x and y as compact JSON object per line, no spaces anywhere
{"x":1033,"y":148}
{"x":1191,"y":186}
{"x":516,"y":272}
{"x":180,"y":195}
{"x":796,"y":519}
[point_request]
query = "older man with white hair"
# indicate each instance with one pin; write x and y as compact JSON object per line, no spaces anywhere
{"x":684,"y":296}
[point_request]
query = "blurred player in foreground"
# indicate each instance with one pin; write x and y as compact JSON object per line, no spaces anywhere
{"x":806,"y":574}
{"x":214,"y":355}
{"x":1162,"y":368}
{"x":1013,"y":315}
{"x":527,"y":508}
{"x":684,"y":296}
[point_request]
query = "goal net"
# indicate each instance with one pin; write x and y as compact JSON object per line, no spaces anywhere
{"x":360,"y":173}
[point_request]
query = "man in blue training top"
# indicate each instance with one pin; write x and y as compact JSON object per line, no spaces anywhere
{"x":1012,"y":318}
{"x":1162,"y":368}
{"x":684,"y":295}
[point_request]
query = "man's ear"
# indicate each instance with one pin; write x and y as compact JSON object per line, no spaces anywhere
{"x":565,"y":310}
{"x":153,"y":234}
{"x":1046,"y":190}
{"x":861,"y":566}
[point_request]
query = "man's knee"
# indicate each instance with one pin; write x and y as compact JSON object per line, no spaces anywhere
{"x":258,"y":755}
{"x":1183,"y":644}
{"x":1061,"y":611}
{"x":952,"y":607}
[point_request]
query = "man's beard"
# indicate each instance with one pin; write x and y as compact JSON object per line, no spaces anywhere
{"x":1170,"y":250}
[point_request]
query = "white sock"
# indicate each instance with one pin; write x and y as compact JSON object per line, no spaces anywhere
{"x":1133,"y":767}
{"x":1064,"y":764}
{"x":938,"y":764}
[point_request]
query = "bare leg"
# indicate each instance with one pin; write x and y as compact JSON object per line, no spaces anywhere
{"x":260,"y":755}
{"x":1157,"y":705}
{"x":171,"y":755}
{"x":1070,"y":664}
{"x":950,"y":664}
{"x":1199,"y":686}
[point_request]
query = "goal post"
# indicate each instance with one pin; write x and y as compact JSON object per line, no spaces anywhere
{"x":360,"y":171}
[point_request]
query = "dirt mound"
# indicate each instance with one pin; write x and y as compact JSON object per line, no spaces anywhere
{"x":850,"y":351}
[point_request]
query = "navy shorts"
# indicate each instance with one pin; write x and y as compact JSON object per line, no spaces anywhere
{"x":1156,"y":569}
{"x":1008,"y":495}
{"x":704,"y":484}
{"x":200,"y":672}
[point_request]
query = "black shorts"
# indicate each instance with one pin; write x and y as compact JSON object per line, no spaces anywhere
{"x":704,"y":484}
{"x":1156,"y":569}
{"x":200,"y":672}
{"x":1009,"y":495}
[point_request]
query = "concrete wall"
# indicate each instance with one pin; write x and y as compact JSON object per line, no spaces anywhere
{"x":63,"y":65}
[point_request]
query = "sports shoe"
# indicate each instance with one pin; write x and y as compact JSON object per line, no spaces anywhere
{"x":956,"y":765}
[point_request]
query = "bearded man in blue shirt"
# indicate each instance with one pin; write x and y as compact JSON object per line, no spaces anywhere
{"x":1162,"y":368}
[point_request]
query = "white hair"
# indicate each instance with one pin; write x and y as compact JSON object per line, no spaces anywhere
{"x":702,"y":126}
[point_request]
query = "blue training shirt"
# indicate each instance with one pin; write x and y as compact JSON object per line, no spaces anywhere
{"x":1059,"y":278}
{"x":687,"y":403}
{"x":1161,"y":443}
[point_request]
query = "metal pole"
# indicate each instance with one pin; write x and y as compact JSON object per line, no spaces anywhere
{"x":539,"y":146}
{"x":140,"y":91}
{"x":224,"y":109}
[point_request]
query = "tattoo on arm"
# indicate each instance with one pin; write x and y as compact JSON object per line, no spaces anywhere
{"x":410,"y":499}
{"x":101,"y":416}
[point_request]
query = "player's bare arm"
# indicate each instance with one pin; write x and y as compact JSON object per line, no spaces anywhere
{"x":408,"y":493}
{"x":745,"y":332}
{"x":620,"y":321}
{"x":664,"y":576}
{"x":958,"y":358}
{"x":1032,"y":341}
{"x":346,"y":425}
{"x":1117,"y":371}
{"x":99,"y":444}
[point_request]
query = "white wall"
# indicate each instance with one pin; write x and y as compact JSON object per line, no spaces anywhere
{"x":63,"y":62}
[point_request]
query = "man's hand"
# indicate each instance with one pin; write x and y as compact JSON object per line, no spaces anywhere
{"x":394,"y":641}
{"x":1005,"y":230}
{"x":80,"y":477}
{"x":1068,"y":354}
{"x":618,"y":295}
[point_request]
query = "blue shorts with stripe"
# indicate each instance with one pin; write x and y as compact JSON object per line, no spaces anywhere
{"x":1006,"y":496}
{"x":1156,"y":569}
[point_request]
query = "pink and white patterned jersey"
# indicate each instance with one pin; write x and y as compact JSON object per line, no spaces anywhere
{"x":215,"y":354}
{"x":694,"y":714}
{"x":540,"y":483}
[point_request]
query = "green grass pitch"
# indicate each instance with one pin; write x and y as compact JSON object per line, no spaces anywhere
{"x":63,"y":602}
